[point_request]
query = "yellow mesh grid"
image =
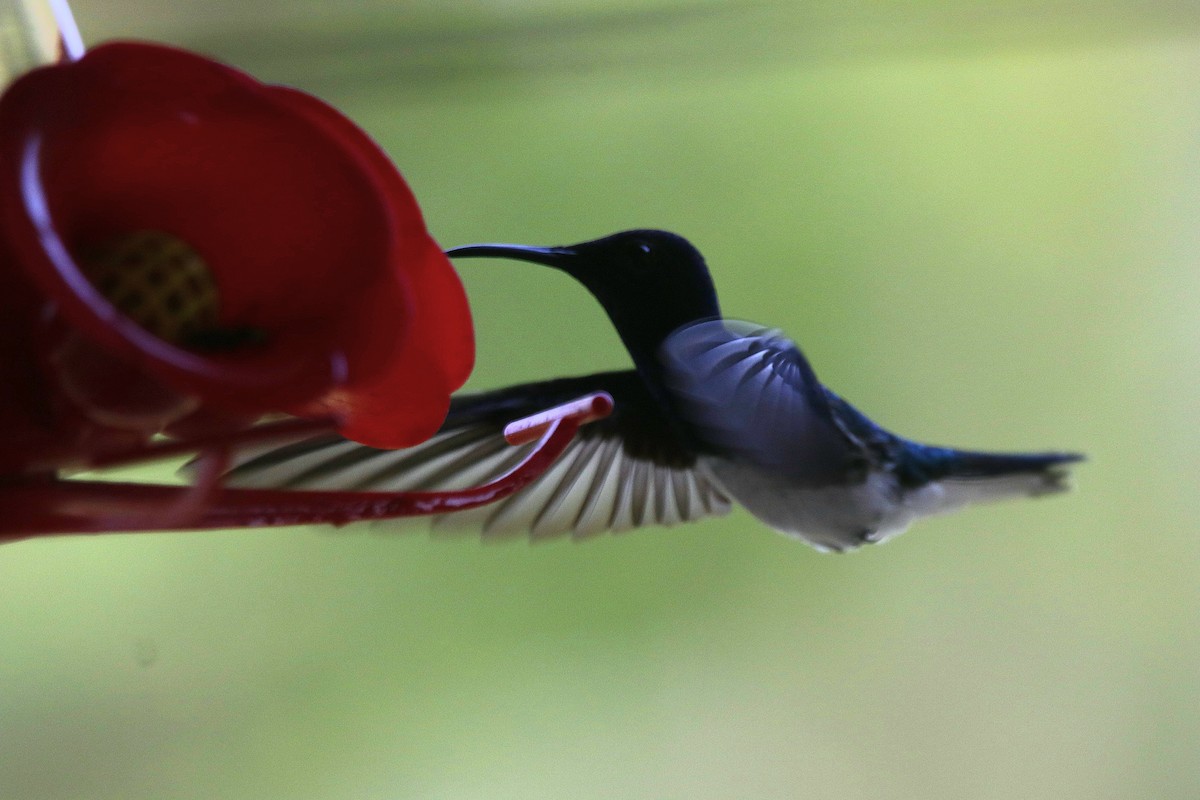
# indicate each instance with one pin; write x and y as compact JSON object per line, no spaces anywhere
{"x":159,"y":282}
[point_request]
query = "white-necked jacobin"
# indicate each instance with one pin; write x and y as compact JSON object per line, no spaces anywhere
{"x":714,"y":411}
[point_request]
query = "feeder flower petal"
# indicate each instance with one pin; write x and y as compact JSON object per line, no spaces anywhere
{"x":233,"y":248}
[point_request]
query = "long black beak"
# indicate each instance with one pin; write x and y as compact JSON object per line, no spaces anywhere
{"x":556,"y":257}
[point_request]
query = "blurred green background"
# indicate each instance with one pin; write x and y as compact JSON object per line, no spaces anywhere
{"x":980,"y":222}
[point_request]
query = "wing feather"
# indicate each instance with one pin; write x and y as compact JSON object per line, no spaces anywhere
{"x":625,"y":472}
{"x":751,"y":395}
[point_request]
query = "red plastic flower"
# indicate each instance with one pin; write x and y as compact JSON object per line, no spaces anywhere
{"x":185,"y":248}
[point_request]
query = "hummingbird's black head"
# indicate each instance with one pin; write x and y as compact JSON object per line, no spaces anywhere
{"x":650,"y":282}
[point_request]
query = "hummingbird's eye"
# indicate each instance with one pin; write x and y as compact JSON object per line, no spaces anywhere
{"x":640,"y":249}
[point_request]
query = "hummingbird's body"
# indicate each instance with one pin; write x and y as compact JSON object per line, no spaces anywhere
{"x":714,"y":411}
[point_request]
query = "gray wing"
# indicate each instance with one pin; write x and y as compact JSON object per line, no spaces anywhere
{"x":751,"y":395}
{"x":624,"y":472}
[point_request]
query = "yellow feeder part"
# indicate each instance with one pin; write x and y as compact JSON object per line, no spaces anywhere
{"x":159,"y":282}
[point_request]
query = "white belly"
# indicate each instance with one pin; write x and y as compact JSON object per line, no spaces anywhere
{"x":833,"y":518}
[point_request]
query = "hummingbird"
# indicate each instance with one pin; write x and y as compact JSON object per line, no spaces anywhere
{"x":713,"y":412}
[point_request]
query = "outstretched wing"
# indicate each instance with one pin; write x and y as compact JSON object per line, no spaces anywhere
{"x":626,"y":471}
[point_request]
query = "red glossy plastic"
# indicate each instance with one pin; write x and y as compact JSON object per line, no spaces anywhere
{"x":37,"y":507}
